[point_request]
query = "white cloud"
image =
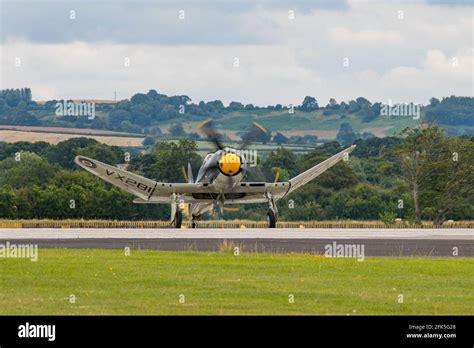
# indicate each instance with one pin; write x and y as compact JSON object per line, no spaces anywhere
{"x":452,"y":75}
{"x":344,"y":36}
{"x":427,"y":53}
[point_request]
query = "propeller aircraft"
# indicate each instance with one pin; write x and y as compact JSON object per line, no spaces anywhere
{"x":219,"y":181}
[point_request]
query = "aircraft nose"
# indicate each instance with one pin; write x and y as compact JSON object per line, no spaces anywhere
{"x":229,"y":164}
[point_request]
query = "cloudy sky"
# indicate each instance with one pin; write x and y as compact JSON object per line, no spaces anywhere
{"x":258,"y":52}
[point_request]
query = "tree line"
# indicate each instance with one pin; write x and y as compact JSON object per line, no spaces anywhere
{"x":419,"y":175}
{"x":145,"y":112}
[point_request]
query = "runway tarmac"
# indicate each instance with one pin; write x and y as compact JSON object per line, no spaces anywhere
{"x":377,"y":242}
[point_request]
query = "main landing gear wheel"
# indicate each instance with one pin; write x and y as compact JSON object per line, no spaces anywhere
{"x":178,"y":219}
{"x":194,"y":220}
{"x":271,"y":219}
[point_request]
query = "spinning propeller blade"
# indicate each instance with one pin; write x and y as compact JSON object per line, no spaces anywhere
{"x":183,"y":172}
{"x":277,"y":175}
{"x":209,"y":131}
{"x":252,"y":135}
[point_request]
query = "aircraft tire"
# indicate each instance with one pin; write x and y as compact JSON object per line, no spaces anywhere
{"x":178,"y":219}
{"x":271,"y":219}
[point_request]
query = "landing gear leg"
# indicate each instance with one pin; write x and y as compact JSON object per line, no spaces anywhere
{"x":176,"y":214}
{"x":178,"y":219}
{"x":271,"y":219}
{"x":272,"y":212}
{"x":194,"y":221}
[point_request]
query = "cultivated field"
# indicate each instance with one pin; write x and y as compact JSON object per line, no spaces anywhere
{"x":193,"y":283}
{"x":13,"y":136}
{"x":65,"y":130}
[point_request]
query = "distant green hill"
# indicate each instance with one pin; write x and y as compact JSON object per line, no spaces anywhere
{"x":155,"y":114}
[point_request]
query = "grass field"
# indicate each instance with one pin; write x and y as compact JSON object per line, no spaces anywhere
{"x":316,"y":121}
{"x":300,"y":123}
{"x":150,"y":282}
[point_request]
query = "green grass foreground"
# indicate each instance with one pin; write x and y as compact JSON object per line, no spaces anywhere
{"x":151,"y":282}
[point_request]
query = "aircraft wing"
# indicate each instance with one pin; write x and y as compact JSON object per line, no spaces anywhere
{"x":150,"y":191}
{"x":146,"y":190}
{"x":318,"y":169}
{"x":256,"y":191}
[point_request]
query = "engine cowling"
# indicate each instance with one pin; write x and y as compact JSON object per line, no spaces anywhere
{"x":230,"y":164}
